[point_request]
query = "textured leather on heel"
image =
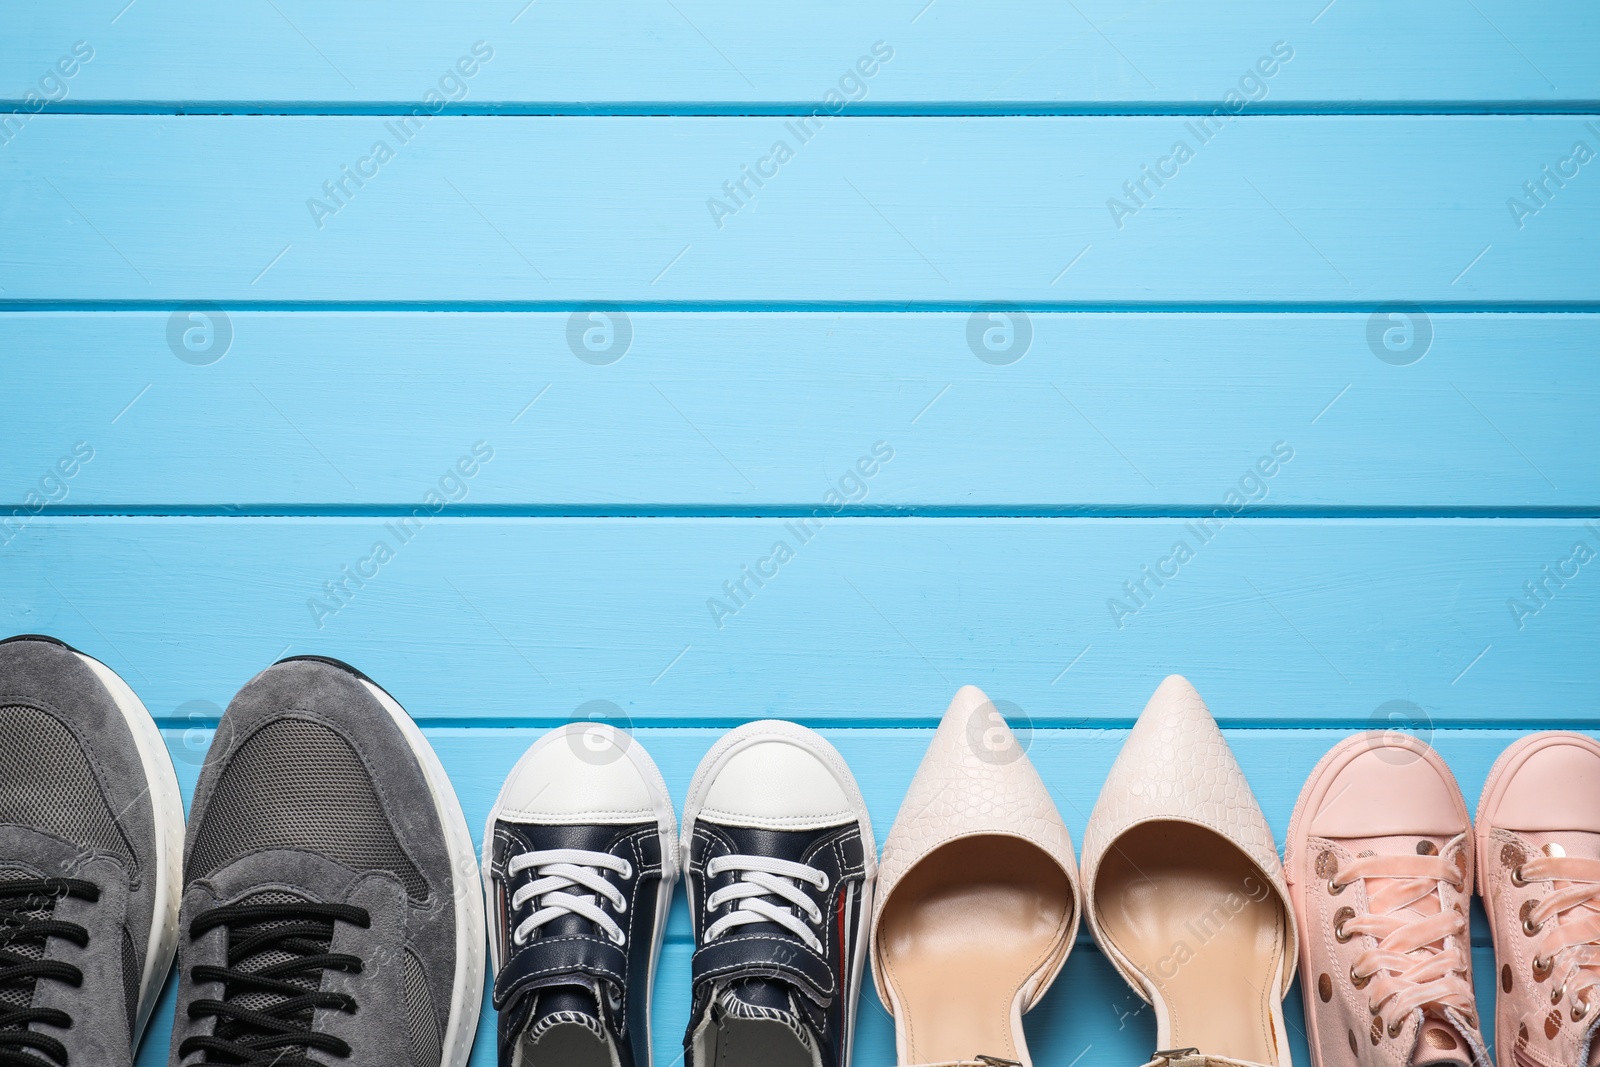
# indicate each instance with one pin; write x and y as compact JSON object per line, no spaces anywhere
{"x":1184,"y":890}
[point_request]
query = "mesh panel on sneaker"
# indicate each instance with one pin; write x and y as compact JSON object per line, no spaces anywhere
{"x":257,"y":1000}
{"x":46,"y":783}
{"x":130,"y":978}
{"x":297,"y":784}
{"x":20,"y":994}
{"x":422,"y":1025}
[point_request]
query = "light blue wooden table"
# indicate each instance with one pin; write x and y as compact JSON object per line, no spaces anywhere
{"x":664,"y":272}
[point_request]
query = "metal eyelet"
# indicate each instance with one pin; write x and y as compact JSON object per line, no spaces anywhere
{"x":1335,"y":888}
{"x":1557,"y":993}
{"x":1396,"y":1026}
{"x":1542,"y":968}
{"x":1579,"y":1011}
{"x":1359,"y":980}
{"x":1516,"y":877}
{"x":1530,"y":927}
{"x":1339,"y":919}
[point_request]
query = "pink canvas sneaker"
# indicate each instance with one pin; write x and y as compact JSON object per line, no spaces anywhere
{"x":1539,"y":839}
{"x":1379,"y":861}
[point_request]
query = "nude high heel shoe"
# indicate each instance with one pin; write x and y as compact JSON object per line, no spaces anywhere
{"x":1185,"y":893}
{"x":978,"y":905}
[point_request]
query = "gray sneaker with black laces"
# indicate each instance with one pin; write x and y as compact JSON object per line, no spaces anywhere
{"x":331,"y":911}
{"x":91,"y":840}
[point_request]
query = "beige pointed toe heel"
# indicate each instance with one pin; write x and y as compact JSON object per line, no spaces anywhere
{"x":1185,"y":893}
{"x":979,"y":900}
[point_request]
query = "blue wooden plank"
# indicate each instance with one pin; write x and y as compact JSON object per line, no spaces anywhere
{"x":1007,"y":54}
{"x":1348,"y":210}
{"x":1088,"y":1009}
{"x":747,"y":410}
{"x":860,"y":620}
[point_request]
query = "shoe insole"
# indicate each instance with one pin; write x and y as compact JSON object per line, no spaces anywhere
{"x":964,"y":931}
{"x":758,"y":1043}
{"x":568,"y":1045}
{"x":1204,"y":927}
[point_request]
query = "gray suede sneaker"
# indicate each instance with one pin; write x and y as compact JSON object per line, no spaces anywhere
{"x":331,"y":911}
{"x":91,"y":843}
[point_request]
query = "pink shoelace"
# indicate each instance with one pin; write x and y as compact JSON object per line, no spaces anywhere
{"x":1567,"y":924}
{"x":1420,"y":960}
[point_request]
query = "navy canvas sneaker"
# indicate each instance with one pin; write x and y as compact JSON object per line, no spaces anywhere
{"x":579,"y":861}
{"x":780,"y":864}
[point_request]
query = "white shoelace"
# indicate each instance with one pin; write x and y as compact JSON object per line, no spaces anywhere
{"x":765,"y":877}
{"x":562,"y":869}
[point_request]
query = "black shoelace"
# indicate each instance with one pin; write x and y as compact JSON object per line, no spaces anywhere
{"x":26,"y":924}
{"x":265,"y":1014}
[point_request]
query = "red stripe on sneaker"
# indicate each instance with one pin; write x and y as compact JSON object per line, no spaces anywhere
{"x":844,"y":946}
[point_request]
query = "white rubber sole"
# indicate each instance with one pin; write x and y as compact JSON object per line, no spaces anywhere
{"x":753,"y":733}
{"x":466,"y":1000}
{"x":167,"y":802}
{"x":666,"y":826}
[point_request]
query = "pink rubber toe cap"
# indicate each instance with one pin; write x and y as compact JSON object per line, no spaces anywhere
{"x":1389,"y":790}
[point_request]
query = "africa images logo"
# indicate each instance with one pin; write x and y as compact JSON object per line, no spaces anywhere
{"x":1538,"y":192}
{"x":1252,"y":488}
{"x":451,"y":487}
{"x":849,"y":488}
{"x":450,"y":88}
{"x":1251,"y":88}
{"x":850,"y":88}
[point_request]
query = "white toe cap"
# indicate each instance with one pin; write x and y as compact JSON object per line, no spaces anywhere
{"x":775,"y":783}
{"x":581,"y":773}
